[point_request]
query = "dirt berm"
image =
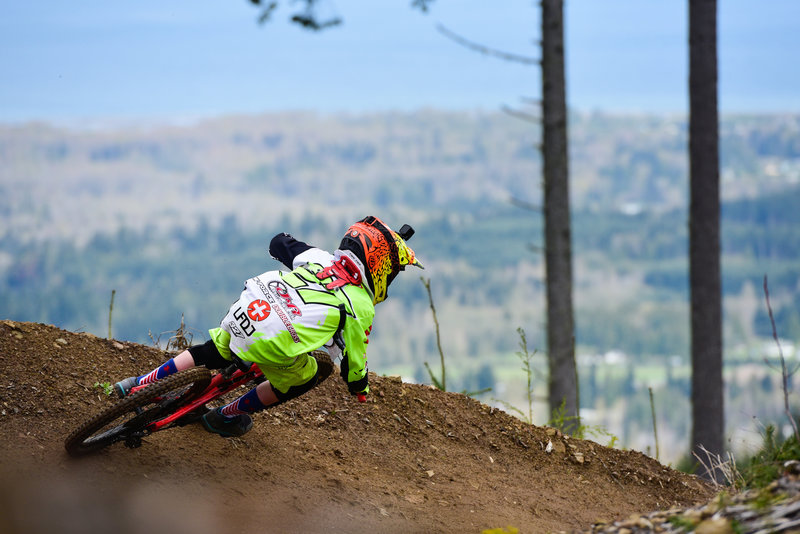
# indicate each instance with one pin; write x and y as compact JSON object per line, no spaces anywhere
{"x":410,"y":460}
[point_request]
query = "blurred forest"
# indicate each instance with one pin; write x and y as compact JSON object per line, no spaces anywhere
{"x":175,"y":217}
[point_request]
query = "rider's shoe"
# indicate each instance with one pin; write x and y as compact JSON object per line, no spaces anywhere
{"x":123,"y":387}
{"x":226,"y":427}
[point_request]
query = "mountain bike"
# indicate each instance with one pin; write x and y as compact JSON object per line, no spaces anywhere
{"x":176,"y":400}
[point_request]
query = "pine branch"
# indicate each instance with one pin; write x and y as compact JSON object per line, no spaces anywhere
{"x":486,"y":50}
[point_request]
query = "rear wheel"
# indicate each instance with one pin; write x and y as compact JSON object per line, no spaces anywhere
{"x":324,"y":365}
{"x":128,"y":419}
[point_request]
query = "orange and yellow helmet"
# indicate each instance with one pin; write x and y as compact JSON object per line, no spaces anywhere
{"x":382,"y":251}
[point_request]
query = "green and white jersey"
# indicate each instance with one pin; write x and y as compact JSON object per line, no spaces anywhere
{"x":281,"y":315}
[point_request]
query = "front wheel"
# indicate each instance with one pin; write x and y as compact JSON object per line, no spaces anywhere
{"x":128,"y":419}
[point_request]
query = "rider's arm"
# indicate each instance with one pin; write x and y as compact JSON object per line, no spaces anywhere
{"x":294,"y":253}
{"x":354,"y":358}
{"x":286,"y":248}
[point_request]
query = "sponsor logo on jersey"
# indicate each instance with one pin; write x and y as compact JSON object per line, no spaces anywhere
{"x":234,"y":328}
{"x":282,"y":292}
{"x":273,"y":301}
{"x":258,"y":310}
{"x":244,"y":321}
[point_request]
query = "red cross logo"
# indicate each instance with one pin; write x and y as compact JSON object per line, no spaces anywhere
{"x":258,"y":310}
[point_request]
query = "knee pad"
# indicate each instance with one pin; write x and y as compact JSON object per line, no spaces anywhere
{"x":324,"y":368}
{"x":208,"y":355}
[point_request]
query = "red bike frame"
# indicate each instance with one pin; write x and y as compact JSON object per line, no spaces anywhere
{"x":221,"y":384}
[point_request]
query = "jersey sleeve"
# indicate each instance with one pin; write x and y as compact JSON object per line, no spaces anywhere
{"x":313,"y":255}
{"x":285,"y":248}
{"x":354,"y":358}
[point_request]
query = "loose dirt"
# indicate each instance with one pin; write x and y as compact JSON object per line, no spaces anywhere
{"x":412,"y":459}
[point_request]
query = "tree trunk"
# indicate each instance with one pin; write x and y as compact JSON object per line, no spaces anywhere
{"x":704,"y":232}
{"x":563,"y":376}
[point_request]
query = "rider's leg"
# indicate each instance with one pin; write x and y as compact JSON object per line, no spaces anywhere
{"x":180,"y":362}
{"x":253,"y":401}
{"x":234,"y":418}
{"x":266,"y":394}
{"x":205,"y":354}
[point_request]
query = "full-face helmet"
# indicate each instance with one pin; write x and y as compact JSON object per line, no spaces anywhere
{"x":382,"y":251}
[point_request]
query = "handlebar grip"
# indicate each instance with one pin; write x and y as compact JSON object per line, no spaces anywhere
{"x":361,"y":397}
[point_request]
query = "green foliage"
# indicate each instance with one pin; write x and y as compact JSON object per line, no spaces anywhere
{"x":440,"y":384}
{"x":682,"y":522}
{"x":526,"y":357}
{"x":436,"y":382}
{"x":475,"y":393}
{"x":767,"y":464}
{"x":688,"y":524}
{"x":613,"y":440}
{"x":476,"y":381}
{"x":755,"y":472}
{"x":766,"y":498}
{"x":106,"y":387}
{"x":570,"y":424}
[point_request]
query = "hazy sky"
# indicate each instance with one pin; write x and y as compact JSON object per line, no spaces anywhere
{"x":180,"y":58}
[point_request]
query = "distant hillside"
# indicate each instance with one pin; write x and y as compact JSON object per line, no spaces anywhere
{"x":269,"y":169}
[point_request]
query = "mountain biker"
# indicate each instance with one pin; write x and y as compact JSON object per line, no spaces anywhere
{"x":281,"y":316}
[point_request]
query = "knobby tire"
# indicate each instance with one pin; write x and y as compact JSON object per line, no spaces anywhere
{"x":96,"y":433}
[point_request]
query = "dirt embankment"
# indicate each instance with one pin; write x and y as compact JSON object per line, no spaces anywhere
{"x":411,"y":460}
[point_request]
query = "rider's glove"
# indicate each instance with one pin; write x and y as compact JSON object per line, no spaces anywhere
{"x":359,"y":387}
{"x":356,"y":387}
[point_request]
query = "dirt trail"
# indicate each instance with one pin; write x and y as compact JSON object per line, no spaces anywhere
{"x":411,"y":460}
